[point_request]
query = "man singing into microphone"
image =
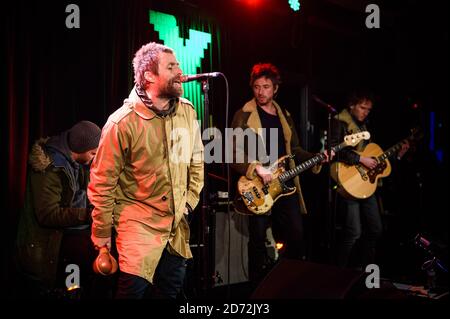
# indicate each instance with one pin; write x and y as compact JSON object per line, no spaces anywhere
{"x":147,"y":176}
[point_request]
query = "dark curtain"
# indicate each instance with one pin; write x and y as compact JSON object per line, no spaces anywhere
{"x":58,"y":76}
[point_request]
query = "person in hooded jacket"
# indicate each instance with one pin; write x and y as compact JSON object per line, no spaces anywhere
{"x":53,"y":235}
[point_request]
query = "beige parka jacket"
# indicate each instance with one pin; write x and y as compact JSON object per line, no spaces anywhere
{"x":147,"y":168}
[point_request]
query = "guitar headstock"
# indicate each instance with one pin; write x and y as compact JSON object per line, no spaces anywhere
{"x":354,"y":139}
{"x":416,"y":134}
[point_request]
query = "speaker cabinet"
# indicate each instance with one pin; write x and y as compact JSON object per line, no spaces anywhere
{"x":295,"y":279}
{"x":230,"y":254}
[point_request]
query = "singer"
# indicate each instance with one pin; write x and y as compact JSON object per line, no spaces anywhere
{"x":139,"y":179}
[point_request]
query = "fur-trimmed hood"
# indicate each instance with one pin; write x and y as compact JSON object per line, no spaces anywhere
{"x":50,"y":150}
{"x":38,"y":158}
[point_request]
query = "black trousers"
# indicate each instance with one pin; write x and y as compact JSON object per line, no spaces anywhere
{"x":287,"y":228}
{"x":361,"y":221}
{"x":168,"y":280}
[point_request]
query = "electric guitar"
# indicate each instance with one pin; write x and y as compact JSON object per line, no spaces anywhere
{"x":358,"y":181}
{"x":255,"y":197}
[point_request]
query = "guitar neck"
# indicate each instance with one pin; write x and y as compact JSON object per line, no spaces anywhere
{"x":390,"y":152}
{"x":287,"y":175}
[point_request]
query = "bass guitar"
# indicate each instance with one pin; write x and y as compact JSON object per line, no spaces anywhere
{"x":255,"y":197}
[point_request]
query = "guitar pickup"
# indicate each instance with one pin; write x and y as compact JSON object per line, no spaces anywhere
{"x":248,"y":196}
{"x":256,"y":192}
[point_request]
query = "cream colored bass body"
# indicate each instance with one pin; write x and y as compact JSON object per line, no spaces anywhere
{"x":255,"y":197}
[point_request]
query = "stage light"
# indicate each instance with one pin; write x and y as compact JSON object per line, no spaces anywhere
{"x":73,"y":287}
{"x":294,"y":4}
{"x":253,"y":3}
{"x":279,"y":246}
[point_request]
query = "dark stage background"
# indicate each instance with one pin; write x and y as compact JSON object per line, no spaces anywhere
{"x":57,"y":76}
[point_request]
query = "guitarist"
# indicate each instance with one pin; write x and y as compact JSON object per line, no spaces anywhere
{"x":361,"y":217}
{"x":262,"y":112}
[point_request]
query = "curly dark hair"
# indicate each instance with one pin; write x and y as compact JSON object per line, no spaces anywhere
{"x":267,"y":70}
{"x":359,"y":96}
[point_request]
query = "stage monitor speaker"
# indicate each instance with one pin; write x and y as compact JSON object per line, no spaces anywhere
{"x":296,"y":279}
{"x":235,"y":258}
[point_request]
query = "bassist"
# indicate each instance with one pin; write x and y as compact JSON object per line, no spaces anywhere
{"x":280,"y":138}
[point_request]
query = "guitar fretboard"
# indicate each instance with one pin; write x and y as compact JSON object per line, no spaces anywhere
{"x":287,"y":175}
{"x":391,"y":151}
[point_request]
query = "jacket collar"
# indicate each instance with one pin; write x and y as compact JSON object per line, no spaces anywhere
{"x":139,"y":107}
{"x":352,"y":127}
{"x":142,"y":110}
{"x":345,"y":116}
{"x":254,"y":121}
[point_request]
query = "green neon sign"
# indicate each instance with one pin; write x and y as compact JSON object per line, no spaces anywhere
{"x":294,"y":4}
{"x":190,"y":52}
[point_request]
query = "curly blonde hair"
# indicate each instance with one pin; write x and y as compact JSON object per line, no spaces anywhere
{"x":147,"y":59}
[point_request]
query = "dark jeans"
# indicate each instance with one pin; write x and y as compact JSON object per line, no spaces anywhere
{"x":77,"y":248}
{"x":361,"y":219}
{"x":168,"y":280}
{"x":287,"y":227}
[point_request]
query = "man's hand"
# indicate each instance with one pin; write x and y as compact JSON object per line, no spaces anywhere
{"x":264,"y":173}
{"x":101,"y":242}
{"x":327,"y":158}
{"x":368,"y":162}
{"x":404,"y":149}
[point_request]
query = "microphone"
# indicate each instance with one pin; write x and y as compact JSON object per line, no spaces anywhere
{"x":201,"y":76}
{"x":328,"y":106}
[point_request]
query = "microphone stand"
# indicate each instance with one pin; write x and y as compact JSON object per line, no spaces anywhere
{"x":205,"y":232}
{"x":332,"y":214}
{"x":206,"y":277}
